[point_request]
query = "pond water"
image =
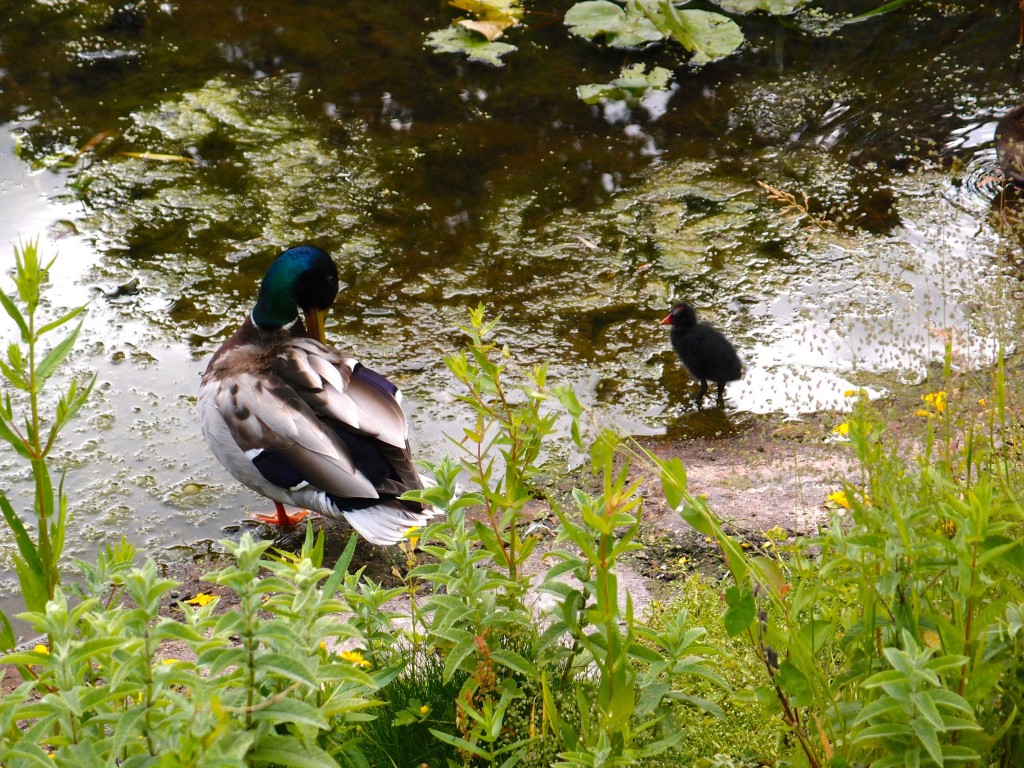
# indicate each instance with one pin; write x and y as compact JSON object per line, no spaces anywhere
{"x":438,"y":184}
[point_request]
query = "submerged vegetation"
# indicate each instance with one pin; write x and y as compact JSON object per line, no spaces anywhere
{"x":894,"y":634}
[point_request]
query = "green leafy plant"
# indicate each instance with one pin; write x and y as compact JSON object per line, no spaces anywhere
{"x":637,"y":667}
{"x":892,"y":636}
{"x":594,"y":680}
{"x":28,"y":367}
{"x":253,"y":685}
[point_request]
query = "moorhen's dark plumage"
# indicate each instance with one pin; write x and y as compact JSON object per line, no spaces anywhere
{"x":302,"y":423}
{"x":705,"y":352}
{"x":1010,"y":144}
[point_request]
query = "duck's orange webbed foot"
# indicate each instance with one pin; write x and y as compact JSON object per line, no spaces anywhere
{"x":282,"y":517}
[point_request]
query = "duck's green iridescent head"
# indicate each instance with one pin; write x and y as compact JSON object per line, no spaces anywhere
{"x":304,"y":277}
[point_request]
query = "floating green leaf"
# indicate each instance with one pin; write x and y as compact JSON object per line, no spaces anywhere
{"x":774,"y":7}
{"x":709,"y":36}
{"x":632,"y":85}
{"x":476,"y":47}
{"x":621,"y":27}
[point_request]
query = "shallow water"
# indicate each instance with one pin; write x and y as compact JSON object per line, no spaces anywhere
{"x":438,"y":184}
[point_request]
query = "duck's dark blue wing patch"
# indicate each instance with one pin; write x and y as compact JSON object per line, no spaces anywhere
{"x":375,"y":379}
{"x":277,"y":470}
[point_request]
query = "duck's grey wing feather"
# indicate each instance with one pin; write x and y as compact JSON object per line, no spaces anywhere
{"x":338,"y":387}
{"x":275,"y":429}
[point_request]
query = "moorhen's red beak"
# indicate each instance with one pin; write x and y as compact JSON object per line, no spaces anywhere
{"x":667,"y":320}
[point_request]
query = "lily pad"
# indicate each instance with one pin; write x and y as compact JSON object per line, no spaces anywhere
{"x":621,"y":27}
{"x":709,"y":36}
{"x":475,"y":46}
{"x":774,"y":7}
{"x":630,"y":86}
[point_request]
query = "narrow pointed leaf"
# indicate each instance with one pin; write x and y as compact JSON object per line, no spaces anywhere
{"x":11,"y":437}
{"x":60,"y":321}
{"x":56,"y":356}
{"x":13,"y":376}
{"x":11,"y":308}
{"x":25,"y":544}
{"x":7,"y":639}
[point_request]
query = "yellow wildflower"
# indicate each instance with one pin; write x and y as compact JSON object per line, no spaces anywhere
{"x":355,"y":657}
{"x":168,"y":662}
{"x":41,"y":649}
{"x":841,"y":429}
{"x":424,"y":709}
{"x":936,"y":400}
{"x":981,"y":402}
{"x":839,"y":497}
{"x":201,"y":599}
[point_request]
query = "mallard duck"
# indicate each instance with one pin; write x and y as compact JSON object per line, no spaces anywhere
{"x":1010,"y":144}
{"x":705,"y":352}
{"x":302,"y":423}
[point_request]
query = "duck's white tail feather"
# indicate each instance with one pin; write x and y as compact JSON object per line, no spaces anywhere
{"x":386,"y":523}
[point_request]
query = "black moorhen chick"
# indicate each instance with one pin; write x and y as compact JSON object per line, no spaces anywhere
{"x":705,"y":352}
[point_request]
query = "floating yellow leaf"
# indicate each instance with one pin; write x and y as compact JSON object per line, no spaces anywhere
{"x":492,"y":9}
{"x":158,"y":157}
{"x":491,"y":30}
